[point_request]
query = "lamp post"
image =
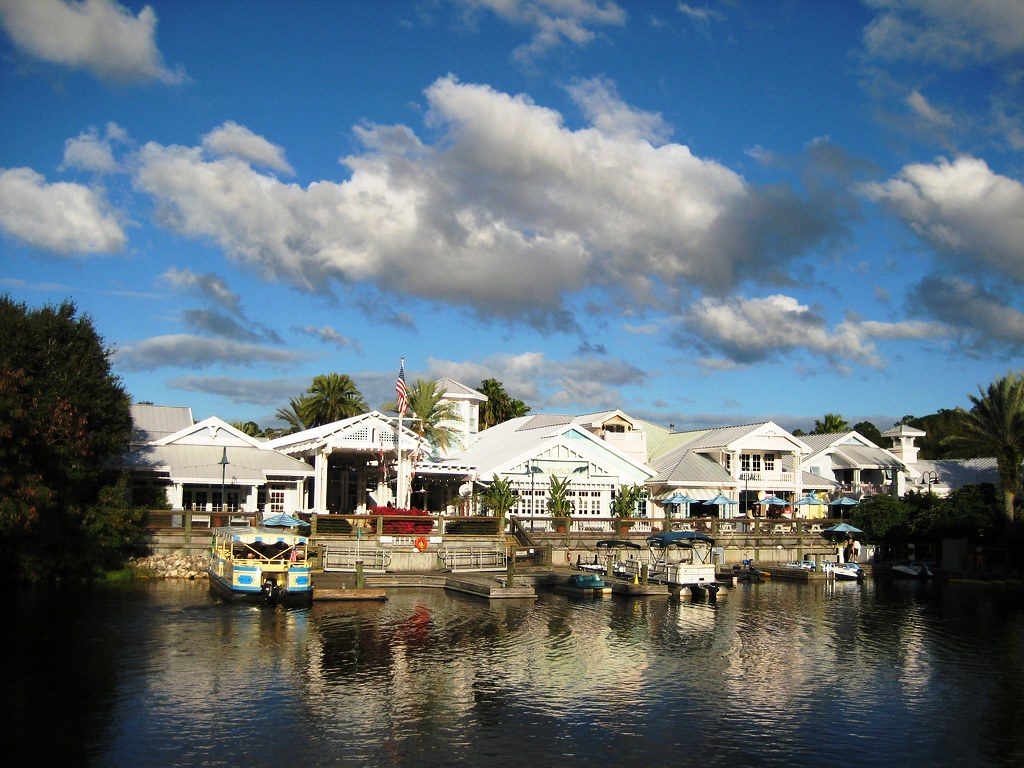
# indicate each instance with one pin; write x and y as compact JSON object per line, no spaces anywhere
{"x":930,"y":477}
{"x":223,"y":471}
{"x":745,"y":477}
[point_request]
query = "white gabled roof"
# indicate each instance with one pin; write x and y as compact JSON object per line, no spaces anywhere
{"x":454,"y":389}
{"x":153,"y":422}
{"x":367,"y":431}
{"x":512,"y":443}
{"x":211,"y":431}
{"x":851,"y":449}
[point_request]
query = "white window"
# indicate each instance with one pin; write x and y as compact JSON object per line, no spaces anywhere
{"x":276,"y":501}
{"x":769,"y":462}
{"x":756,"y":462}
{"x":745,"y":462}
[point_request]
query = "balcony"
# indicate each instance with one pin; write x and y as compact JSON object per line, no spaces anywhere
{"x":774,"y":477}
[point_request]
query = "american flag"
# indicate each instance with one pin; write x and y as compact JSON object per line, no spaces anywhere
{"x":403,"y":402}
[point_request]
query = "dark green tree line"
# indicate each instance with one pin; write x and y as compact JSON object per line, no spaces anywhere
{"x":64,"y":418}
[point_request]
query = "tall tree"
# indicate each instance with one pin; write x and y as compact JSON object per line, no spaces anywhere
{"x":292,"y":416}
{"x":871,"y":432}
{"x":500,"y":406}
{"x":995,"y":426}
{"x":829,"y":424}
{"x":63,"y":418}
{"x":331,"y":397}
{"x":430,"y":413}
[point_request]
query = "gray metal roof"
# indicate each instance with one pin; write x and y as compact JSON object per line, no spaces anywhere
{"x":954,"y":473}
{"x":690,"y":467}
{"x":201,"y":463}
{"x":153,"y":422}
{"x":453,"y":387}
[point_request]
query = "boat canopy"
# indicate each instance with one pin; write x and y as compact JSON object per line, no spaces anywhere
{"x":255,"y":535}
{"x":617,"y":544}
{"x":678,"y":538}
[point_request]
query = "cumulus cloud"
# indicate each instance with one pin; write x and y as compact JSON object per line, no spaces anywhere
{"x":601,"y":104}
{"x":100,"y":36}
{"x":232,"y":139}
{"x":507,"y":214}
{"x":753,"y":330}
{"x":208,"y":285}
{"x":986,"y":319}
{"x":554,"y":22}
{"x":948,"y":33}
{"x":971,"y":216}
{"x":60,"y":217}
{"x":216,"y":323}
{"x":89,"y":151}
{"x":189,"y":351}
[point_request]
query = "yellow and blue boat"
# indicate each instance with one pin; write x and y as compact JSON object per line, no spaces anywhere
{"x":260,"y":564}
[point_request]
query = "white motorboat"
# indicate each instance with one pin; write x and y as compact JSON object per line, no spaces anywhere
{"x":912,"y":570}
{"x":844,"y":571}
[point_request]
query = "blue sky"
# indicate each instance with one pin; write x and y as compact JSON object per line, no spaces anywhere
{"x":701,"y":213}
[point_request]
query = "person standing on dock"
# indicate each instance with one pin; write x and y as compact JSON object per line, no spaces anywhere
{"x":855,"y":551}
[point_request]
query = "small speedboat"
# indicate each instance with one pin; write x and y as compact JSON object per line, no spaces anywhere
{"x":844,"y":571}
{"x":912,"y":570}
{"x":588,"y":584}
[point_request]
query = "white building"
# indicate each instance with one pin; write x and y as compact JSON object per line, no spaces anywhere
{"x":210,"y":467}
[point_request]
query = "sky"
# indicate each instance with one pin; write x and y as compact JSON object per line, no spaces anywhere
{"x":702,"y":213}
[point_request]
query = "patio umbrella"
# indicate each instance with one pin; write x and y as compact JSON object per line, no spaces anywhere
{"x":773,"y":501}
{"x":284,"y":521}
{"x":843,"y":501}
{"x":720,"y":500}
{"x":808,"y":499}
{"x":680,"y":498}
{"x":840,"y":531}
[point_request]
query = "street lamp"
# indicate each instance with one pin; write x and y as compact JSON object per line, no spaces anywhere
{"x":223,"y":471}
{"x":929,"y":477}
{"x":533,"y":470}
{"x":745,"y":477}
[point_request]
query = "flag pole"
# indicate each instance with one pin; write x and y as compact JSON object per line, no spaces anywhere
{"x":402,"y":402}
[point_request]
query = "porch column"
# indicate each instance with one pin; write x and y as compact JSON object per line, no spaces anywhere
{"x":176,"y":495}
{"x":361,"y":490}
{"x":320,"y":482}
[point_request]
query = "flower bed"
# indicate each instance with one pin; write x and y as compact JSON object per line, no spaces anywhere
{"x":405,"y":525}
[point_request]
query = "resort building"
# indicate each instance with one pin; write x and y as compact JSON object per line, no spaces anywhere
{"x":860,"y":467}
{"x":467,"y":402}
{"x":209,"y":468}
{"x":596,"y":452}
{"x":938,"y":476}
{"x":731,"y":471}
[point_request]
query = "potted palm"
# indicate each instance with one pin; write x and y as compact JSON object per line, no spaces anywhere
{"x":560,"y":506}
{"x":624,"y":506}
{"x":498,"y":498}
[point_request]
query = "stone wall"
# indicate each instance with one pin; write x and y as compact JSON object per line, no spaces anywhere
{"x":174,"y":565}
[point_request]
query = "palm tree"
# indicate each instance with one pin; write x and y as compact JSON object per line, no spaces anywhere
{"x":499,"y":497}
{"x":331,"y":397}
{"x":250,"y":428}
{"x":429,"y":413}
{"x":292,"y":415}
{"x":829,"y":424}
{"x":500,"y":406}
{"x":995,"y":426}
{"x":426,"y":405}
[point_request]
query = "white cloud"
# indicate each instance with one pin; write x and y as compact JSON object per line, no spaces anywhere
{"x":753,"y":330}
{"x":969,"y":214}
{"x":196,"y":352}
{"x":506,"y":214}
{"x":238,"y":141}
{"x":208,"y":285}
{"x":948,"y":33}
{"x":328,"y":335}
{"x":268,"y":392}
{"x":61,"y":217}
{"x":599,"y":99}
{"x":91,"y":152}
{"x":923,"y":109}
{"x":101,"y":36}
{"x":702,"y":15}
{"x":555,"y":22}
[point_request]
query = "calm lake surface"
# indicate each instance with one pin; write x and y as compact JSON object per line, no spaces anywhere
{"x":884,"y":673}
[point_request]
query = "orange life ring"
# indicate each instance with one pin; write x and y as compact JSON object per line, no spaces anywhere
{"x":421,"y":544}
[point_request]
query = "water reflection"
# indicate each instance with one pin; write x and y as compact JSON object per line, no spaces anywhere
{"x":879,"y":674}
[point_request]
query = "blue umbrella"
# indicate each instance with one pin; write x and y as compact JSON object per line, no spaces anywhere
{"x":283,"y":521}
{"x":808,"y":499}
{"x":844,"y":501}
{"x":719,"y":500}
{"x":773,"y":500}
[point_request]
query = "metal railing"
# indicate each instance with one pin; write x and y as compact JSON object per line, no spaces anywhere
{"x":344,"y":558}
{"x":472,"y":559}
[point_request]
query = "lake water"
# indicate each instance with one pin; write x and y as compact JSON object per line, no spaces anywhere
{"x":884,"y":673}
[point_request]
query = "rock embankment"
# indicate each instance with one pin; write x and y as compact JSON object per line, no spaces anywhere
{"x":176,"y":565}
